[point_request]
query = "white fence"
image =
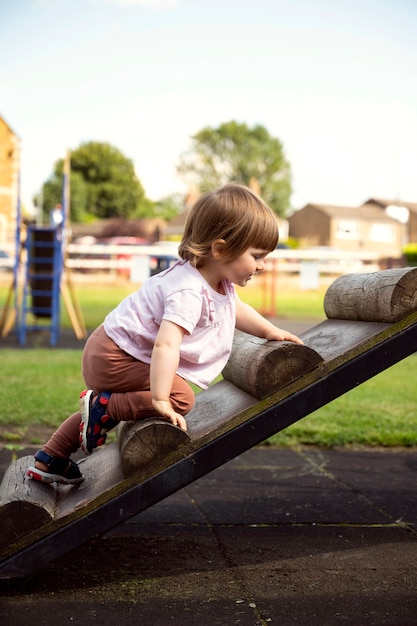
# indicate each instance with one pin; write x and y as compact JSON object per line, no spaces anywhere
{"x":134,"y":259}
{"x":135,"y":262}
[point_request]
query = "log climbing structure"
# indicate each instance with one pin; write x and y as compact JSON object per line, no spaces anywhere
{"x":371,"y":324}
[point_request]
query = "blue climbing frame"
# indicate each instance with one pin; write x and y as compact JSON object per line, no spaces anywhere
{"x":40,"y":305}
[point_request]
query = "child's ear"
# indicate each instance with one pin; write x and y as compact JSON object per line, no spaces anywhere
{"x":217,"y":248}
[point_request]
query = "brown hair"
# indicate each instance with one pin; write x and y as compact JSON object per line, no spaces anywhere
{"x":233,"y":213}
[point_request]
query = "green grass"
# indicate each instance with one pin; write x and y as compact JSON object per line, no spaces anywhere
{"x":96,"y":301}
{"x":41,"y":386}
{"x":380,"y":412}
{"x":289,"y":303}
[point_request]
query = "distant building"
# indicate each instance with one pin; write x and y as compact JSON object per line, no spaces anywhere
{"x":405,"y":212}
{"x":9,"y":181}
{"x":365,"y":228}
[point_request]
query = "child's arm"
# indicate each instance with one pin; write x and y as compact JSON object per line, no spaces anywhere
{"x":250,"y":321}
{"x":164,"y":363}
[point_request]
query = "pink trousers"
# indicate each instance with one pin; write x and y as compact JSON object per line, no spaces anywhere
{"x":106,"y":367}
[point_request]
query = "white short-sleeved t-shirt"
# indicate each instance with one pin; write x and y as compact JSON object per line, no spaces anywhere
{"x":181,"y":295}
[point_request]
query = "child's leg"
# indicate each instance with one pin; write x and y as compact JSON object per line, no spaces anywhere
{"x":65,"y":440}
{"x":136,"y":405}
{"x":52,"y":463}
{"x":107,"y":367}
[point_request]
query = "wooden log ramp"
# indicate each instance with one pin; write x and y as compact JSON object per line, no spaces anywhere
{"x":360,"y":307}
{"x":256,"y":366}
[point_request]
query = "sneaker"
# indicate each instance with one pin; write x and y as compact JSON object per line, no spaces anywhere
{"x":60,"y":470}
{"x":94,"y":420}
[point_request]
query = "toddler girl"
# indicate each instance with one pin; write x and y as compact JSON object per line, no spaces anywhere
{"x":177,"y":328}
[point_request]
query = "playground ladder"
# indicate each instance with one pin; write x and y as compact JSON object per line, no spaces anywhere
{"x":39,"y":308}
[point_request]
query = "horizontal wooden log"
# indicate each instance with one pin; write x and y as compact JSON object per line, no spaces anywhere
{"x":145,"y":441}
{"x":24,"y":504}
{"x":385,"y":296}
{"x":261,"y":367}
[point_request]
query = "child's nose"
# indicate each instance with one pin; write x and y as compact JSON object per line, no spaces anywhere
{"x":260,"y":266}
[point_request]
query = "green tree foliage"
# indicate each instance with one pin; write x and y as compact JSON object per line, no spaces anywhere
{"x":235,"y":152}
{"x":168,"y":207}
{"x":103,"y":184}
{"x":52,"y":194}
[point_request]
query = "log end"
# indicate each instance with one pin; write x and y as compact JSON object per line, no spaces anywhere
{"x":145,"y":441}
{"x":18,"y":518}
{"x":24,"y":504}
{"x":286,"y":364}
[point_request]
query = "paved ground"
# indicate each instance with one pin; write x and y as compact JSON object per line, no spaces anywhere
{"x":276,"y":536}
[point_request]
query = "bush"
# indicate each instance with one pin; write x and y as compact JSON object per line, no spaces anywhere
{"x":410,"y":253}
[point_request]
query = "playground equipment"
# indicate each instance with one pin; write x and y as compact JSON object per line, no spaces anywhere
{"x":41,"y":283}
{"x":41,"y":277}
{"x":267,"y":386}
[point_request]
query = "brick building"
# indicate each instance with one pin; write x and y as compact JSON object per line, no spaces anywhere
{"x":9,"y":181}
{"x":354,"y":229}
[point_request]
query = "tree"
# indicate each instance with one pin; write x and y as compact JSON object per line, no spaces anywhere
{"x":169,"y":206}
{"x":103,"y":184}
{"x":235,"y":152}
{"x":52,"y":194}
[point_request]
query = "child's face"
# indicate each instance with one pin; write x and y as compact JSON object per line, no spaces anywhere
{"x":240,"y":270}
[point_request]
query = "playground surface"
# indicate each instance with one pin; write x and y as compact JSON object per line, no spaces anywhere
{"x":281,"y":536}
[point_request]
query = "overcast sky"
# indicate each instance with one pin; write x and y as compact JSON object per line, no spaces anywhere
{"x":334,"y":80}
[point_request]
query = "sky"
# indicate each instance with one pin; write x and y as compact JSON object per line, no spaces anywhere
{"x":334,"y":80}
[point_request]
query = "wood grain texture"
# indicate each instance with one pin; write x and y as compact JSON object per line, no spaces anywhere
{"x":385,"y":296}
{"x":24,"y":504}
{"x":145,"y":441}
{"x":261,"y":367}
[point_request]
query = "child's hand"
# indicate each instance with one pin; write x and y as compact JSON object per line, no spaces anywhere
{"x":252,"y":322}
{"x":164,"y":408}
{"x":278,"y":334}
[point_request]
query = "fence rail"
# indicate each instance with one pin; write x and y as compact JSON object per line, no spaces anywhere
{"x":119,"y":257}
{"x":129,"y":260}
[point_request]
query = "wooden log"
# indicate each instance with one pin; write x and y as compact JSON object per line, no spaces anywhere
{"x":215,"y":406}
{"x":24,"y":504}
{"x":385,"y":296}
{"x":261,"y":367}
{"x":101,"y":472}
{"x":145,"y":441}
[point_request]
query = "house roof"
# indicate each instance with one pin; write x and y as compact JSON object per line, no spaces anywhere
{"x":367,"y":212}
{"x":383,"y":203}
{"x":8,"y":126}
